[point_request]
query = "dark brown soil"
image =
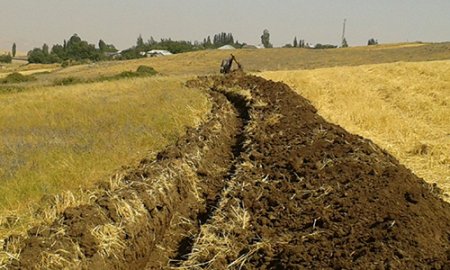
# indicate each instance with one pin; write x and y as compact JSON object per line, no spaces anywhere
{"x":317,"y":197}
{"x":335,"y":199}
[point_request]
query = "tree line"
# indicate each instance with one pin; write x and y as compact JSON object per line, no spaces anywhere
{"x":179,"y":46}
{"x":76,"y":50}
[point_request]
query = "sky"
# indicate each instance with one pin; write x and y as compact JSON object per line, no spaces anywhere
{"x":30,"y":23}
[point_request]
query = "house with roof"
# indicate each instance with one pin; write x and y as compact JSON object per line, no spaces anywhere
{"x":156,"y":53}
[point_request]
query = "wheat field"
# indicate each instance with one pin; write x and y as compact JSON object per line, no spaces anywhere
{"x":403,"y":107}
{"x":57,"y":139}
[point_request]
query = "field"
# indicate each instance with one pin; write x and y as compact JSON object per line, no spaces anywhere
{"x":56,"y":139}
{"x":403,"y":107}
{"x":262,"y":182}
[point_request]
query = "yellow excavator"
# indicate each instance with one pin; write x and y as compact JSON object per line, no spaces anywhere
{"x":225,"y":67}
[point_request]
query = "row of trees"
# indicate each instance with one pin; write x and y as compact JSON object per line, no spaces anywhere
{"x":75,"y":49}
{"x":179,"y":46}
{"x":297,"y":43}
{"x":372,"y":42}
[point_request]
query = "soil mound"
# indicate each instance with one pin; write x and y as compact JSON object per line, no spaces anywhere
{"x":266,"y":183}
{"x":314,"y":196}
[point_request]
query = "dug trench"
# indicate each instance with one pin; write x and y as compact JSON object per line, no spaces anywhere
{"x":146,"y":216}
{"x":265,"y":183}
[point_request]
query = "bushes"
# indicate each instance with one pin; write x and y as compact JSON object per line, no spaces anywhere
{"x":68,"y":81}
{"x":17,"y":78}
{"x":146,"y":70}
{"x":324,"y":46}
{"x":142,"y":71}
{"x":6,"y":58}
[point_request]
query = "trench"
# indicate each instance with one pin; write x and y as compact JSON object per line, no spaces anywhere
{"x":240,"y":105}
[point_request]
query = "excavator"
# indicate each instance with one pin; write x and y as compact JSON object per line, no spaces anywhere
{"x":225,"y":67}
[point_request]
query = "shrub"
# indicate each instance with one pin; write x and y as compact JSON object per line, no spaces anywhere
{"x":142,"y":71}
{"x":68,"y":81}
{"x":16,"y":77}
{"x":324,"y":46}
{"x":146,"y":70}
{"x":65,"y":64}
{"x":6,"y":58}
{"x":10,"y":89}
{"x":125,"y":74}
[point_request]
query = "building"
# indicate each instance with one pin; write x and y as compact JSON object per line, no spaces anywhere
{"x":226,"y":47}
{"x":155,"y":53}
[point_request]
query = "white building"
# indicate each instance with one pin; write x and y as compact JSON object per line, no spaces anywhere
{"x":227,"y":47}
{"x":155,"y":53}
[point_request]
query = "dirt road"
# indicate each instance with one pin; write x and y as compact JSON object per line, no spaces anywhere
{"x":265,"y":183}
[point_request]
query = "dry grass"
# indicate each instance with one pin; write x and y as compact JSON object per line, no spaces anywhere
{"x":26,"y":69}
{"x":63,"y":138}
{"x":403,"y":107}
{"x":208,"y":61}
{"x":109,"y":238}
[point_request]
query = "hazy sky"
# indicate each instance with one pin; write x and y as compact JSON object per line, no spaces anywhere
{"x":30,"y":23}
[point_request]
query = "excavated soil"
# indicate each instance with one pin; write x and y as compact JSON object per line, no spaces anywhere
{"x":265,"y":183}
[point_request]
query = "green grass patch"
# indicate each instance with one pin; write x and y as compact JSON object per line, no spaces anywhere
{"x":16,"y":77}
{"x":142,"y":71}
{"x":68,"y":81}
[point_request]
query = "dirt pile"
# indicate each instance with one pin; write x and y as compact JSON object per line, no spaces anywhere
{"x":311,"y":195}
{"x":266,"y":183}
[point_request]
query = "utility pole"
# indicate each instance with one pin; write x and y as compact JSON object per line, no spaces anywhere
{"x":343,"y":40}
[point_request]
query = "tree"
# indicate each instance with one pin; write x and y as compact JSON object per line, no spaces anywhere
{"x":59,"y":51}
{"x":37,"y":56}
{"x":222,"y":39}
{"x":295,"y":43}
{"x":140,"y":42}
{"x":372,"y":42}
{"x":151,"y":41}
{"x":265,"y":39}
{"x":73,"y":40}
{"x":102,"y":45}
{"x":45,"y":49}
{"x":13,"y":50}
{"x":344,"y":43}
{"x":301,"y":43}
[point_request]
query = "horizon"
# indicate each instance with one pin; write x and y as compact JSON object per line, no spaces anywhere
{"x":120,"y":23}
